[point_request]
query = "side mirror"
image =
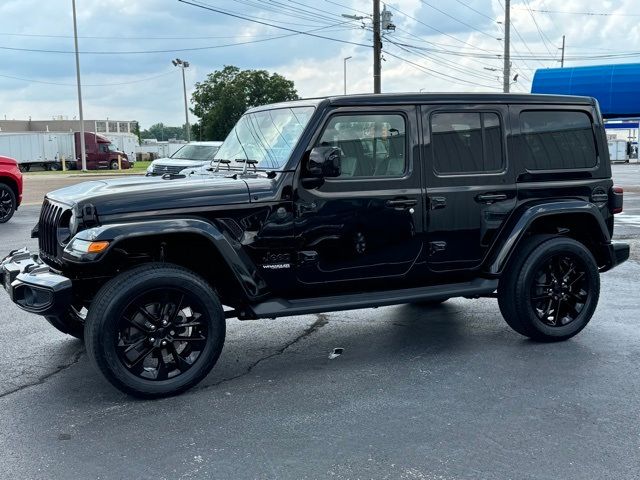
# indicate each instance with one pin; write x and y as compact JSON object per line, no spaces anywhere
{"x":324,"y":162}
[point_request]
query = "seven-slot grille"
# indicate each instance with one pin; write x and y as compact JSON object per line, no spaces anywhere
{"x":50,"y":217}
{"x":164,"y":169}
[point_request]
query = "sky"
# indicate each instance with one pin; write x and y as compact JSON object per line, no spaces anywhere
{"x":127,"y":46}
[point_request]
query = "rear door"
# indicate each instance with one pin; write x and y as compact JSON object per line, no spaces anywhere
{"x":470,"y":186}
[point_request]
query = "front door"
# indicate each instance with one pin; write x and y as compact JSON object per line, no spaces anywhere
{"x":470,"y":188}
{"x":367,"y":223}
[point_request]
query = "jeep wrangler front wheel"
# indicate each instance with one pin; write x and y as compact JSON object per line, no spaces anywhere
{"x":550,"y":289}
{"x":155,"y":330}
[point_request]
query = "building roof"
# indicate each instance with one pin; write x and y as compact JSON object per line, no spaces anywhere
{"x":616,"y":87}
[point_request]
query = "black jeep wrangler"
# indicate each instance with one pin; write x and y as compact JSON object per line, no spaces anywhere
{"x":332,"y":204}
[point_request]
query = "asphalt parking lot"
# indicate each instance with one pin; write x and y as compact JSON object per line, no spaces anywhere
{"x":447,"y":392}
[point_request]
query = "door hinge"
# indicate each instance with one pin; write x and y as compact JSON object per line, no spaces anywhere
{"x":436,"y":247}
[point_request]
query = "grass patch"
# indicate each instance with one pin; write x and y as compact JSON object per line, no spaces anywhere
{"x":138,"y":168}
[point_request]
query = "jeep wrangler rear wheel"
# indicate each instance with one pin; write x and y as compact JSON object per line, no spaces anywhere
{"x":155,"y":330}
{"x":551,"y":289}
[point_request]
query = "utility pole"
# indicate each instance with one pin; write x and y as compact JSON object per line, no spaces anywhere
{"x":377,"y":47}
{"x":506,"y":71}
{"x":83,"y":149}
{"x":562,"y":58}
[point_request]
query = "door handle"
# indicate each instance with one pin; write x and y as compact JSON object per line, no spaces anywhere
{"x":491,"y":197}
{"x":437,"y":202}
{"x":401,"y":203}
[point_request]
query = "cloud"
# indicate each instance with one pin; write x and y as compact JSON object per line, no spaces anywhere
{"x":440,"y":45}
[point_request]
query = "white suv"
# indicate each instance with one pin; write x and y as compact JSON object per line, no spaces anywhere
{"x":192,"y":155}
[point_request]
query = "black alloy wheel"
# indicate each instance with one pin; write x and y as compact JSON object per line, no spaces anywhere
{"x":550,"y":289}
{"x":560,"y":290}
{"x":162,"y":333}
{"x":155,"y":330}
{"x":7,"y":203}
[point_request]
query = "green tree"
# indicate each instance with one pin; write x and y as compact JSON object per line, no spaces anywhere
{"x":163,"y":132}
{"x":226,"y":94}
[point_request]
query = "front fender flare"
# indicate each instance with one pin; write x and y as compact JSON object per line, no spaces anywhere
{"x":230,"y":250}
{"x":524,"y":220}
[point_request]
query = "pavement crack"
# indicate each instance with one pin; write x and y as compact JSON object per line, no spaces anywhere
{"x":320,"y":322}
{"x":61,"y":368}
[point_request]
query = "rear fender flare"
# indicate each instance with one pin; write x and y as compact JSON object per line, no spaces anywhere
{"x":515,"y":233}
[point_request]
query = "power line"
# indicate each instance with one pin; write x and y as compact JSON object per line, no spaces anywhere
{"x":542,"y":35}
{"x":190,"y":49}
{"x":86,"y":84}
{"x":457,"y":19}
{"x":300,"y":32}
{"x":433,"y":28}
{"x":435,"y":72}
{"x":593,"y":14}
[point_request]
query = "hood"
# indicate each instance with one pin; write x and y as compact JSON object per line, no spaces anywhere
{"x":137,"y":194}
{"x":7,"y":161}
{"x":172,"y":162}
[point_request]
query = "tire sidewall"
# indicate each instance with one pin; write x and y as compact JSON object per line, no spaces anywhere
{"x":6,"y":188}
{"x":523,"y":288}
{"x":103,"y":326}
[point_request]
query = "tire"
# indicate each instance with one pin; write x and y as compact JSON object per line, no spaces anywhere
{"x":72,"y":323}
{"x":24,"y":167}
{"x":129,"y":350}
{"x":7,"y":203}
{"x":113,"y":165}
{"x":534,"y":299}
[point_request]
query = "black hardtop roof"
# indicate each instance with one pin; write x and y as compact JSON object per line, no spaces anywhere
{"x":435,"y":98}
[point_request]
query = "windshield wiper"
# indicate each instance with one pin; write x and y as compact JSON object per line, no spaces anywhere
{"x":247,"y":162}
{"x":224,"y":162}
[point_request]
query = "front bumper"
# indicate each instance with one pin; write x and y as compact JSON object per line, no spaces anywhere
{"x":33,"y":286}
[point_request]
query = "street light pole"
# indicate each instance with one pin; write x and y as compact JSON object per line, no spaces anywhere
{"x":83,"y":149}
{"x":182,"y":64}
{"x":345,"y":73}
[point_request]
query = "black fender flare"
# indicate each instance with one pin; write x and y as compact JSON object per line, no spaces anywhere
{"x":230,"y":250}
{"x":515,"y":231}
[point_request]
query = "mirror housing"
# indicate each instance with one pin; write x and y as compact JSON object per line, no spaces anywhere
{"x":324,"y":162}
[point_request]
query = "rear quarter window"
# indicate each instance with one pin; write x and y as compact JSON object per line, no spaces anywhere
{"x":557,"y":140}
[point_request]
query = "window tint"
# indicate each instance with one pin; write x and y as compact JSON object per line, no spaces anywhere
{"x":557,"y":140}
{"x":466,"y":142}
{"x":371,"y":145}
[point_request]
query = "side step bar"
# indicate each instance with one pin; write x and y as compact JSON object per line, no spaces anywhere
{"x":279,"y":307}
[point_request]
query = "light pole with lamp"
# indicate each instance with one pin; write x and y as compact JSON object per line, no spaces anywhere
{"x":345,"y":73}
{"x":182,"y":64}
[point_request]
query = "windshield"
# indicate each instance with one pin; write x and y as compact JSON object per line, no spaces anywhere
{"x":267,"y":137}
{"x":195,"y":152}
{"x":112,"y":148}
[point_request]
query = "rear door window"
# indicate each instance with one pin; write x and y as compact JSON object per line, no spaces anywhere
{"x":557,"y":140}
{"x":466,"y":142}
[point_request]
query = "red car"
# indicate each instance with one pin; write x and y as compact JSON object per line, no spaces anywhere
{"x":10,"y":188}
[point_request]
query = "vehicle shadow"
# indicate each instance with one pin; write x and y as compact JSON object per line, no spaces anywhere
{"x":294,"y":350}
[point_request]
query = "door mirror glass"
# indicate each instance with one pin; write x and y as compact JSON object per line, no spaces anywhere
{"x":324,"y":162}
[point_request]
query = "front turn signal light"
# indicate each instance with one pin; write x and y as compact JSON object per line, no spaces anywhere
{"x":78,"y":246}
{"x":97,"y":247}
